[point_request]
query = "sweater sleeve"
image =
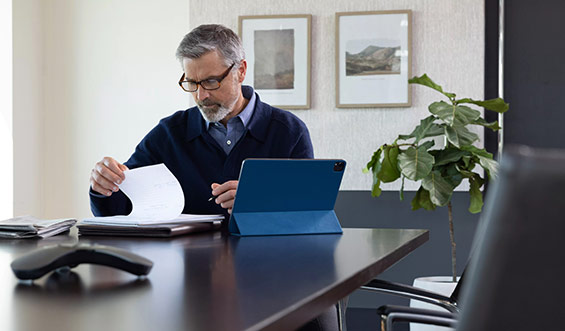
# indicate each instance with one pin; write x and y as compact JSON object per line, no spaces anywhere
{"x":303,"y":148}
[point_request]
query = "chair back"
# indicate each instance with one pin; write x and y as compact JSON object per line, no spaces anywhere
{"x":515,"y":278}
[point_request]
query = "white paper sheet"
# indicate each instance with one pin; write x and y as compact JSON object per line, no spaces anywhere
{"x":157,"y":198}
{"x":154,"y":191}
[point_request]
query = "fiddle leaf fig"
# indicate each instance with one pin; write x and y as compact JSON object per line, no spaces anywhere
{"x":440,"y":171}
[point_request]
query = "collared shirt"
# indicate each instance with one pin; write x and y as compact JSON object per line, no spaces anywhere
{"x":228,"y":137}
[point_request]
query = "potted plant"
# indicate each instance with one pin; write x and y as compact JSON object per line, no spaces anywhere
{"x":439,"y":170}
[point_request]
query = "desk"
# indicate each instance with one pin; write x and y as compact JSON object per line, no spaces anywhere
{"x":205,"y":281}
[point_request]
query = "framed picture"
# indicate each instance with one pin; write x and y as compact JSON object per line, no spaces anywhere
{"x":373,"y":59}
{"x":277,"y":49}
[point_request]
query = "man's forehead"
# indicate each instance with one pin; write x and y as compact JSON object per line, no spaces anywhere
{"x":209,"y":64}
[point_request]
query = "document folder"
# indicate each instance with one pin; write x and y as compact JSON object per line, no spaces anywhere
{"x":287,"y":197}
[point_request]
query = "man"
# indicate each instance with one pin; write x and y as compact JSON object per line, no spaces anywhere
{"x":204,"y":146}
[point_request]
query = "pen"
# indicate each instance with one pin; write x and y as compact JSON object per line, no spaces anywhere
{"x":211,"y":198}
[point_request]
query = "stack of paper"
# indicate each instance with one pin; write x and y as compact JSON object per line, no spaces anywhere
{"x":158,"y":200}
{"x":31,"y":227}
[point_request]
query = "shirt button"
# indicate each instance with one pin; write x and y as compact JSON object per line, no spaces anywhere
{"x":228,"y":142}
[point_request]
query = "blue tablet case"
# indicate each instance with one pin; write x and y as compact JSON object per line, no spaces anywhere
{"x":286,"y":197}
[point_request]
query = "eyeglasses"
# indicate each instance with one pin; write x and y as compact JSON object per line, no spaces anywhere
{"x":207,"y":84}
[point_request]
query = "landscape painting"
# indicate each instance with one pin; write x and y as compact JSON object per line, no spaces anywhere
{"x":372,"y":57}
{"x":274,"y":59}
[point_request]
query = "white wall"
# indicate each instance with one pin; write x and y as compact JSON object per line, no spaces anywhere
{"x":28,"y":107}
{"x":447,"y":43}
{"x":6,"y":141}
{"x":109,"y":74}
{"x":95,"y":76}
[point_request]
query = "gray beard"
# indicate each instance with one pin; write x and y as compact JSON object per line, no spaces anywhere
{"x":214,"y":115}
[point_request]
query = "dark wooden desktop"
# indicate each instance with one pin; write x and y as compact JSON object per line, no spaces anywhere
{"x":206,"y":281}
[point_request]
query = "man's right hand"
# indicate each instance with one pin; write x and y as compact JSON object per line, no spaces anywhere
{"x":107,"y":175}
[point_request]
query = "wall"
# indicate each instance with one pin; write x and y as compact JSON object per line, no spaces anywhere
{"x":6,"y":141}
{"x":29,"y":82}
{"x":447,"y":43}
{"x":102,"y":74}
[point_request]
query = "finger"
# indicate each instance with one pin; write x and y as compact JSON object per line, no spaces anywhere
{"x":115,"y":167}
{"x":99,"y":189}
{"x":227,"y":204}
{"x":102,"y":182}
{"x":229,"y":210}
{"x":226,"y":199}
{"x":220,"y":189}
{"x":123,"y":167}
{"x":110,"y":170}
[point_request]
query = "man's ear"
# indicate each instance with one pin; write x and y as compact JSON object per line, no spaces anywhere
{"x":241,"y":71}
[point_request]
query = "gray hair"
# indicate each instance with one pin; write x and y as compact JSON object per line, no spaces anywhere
{"x":210,"y":37}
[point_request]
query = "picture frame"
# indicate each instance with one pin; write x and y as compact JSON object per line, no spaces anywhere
{"x":373,"y":59}
{"x":278,"y":53}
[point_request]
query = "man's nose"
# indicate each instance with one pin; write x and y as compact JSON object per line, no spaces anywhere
{"x":202,"y":94}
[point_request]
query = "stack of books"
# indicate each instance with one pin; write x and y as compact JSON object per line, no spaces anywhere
{"x":31,"y":227}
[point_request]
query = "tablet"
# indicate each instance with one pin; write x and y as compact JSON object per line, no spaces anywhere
{"x":287,"y":196}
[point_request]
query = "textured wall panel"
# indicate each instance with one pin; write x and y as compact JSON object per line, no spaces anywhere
{"x":447,"y":44}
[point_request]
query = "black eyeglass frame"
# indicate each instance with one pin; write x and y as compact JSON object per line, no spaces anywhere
{"x":218,"y":79}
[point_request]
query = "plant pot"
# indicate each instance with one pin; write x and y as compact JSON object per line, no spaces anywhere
{"x":439,"y":284}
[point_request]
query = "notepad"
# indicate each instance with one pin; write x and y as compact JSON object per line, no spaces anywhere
{"x":156,"y":197}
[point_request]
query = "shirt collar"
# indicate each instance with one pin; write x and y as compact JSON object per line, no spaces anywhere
{"x":245,"y":114}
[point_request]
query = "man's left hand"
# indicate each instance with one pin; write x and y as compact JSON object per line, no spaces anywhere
{"x":225,"y":194}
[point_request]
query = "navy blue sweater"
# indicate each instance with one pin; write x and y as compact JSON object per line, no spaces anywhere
{"x":182,"y":143}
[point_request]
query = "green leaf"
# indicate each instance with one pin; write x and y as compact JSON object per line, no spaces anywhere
{"x":492,"y":125}
{"x":374,"y":159}
{"x":389,"y":169}
{"x":454,"y":115}
{"x":490,"y":166}
{"x":440,"y":189}
{"x":376,"y":190}
{"x":414,"y":163}
{"x":477,"y":151}
{"x":426,"y":81}
{"x":448,"y":155}
{"x":498,"y":105}
{"x":404,"y":137}
{"x":460,"y":136}
{"x":427,"y":145}
{"x":426,"y":128}
{"x":450,"y":173}
{"x":476,"y":197}
{"x":422,"y":200}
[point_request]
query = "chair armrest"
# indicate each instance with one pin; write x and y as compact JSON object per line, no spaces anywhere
{"x":390,"y":309}
{"x":411,"y":292}
{"x":416,"y":318}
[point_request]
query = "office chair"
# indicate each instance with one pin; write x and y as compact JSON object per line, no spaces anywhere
{"x":514,"y":280}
